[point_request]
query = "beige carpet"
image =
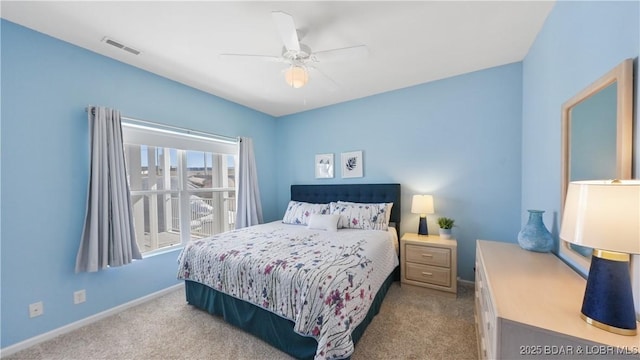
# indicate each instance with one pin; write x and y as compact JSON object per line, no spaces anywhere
{"x":412,"y":324}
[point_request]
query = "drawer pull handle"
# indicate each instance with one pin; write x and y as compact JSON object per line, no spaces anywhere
{"x":427,"y":273}
{"x":427,"y":255}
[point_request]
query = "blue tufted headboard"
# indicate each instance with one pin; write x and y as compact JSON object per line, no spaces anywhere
{"x":364,"y":193}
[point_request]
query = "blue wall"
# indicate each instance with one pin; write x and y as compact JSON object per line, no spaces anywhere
{"x":457,"y":139}
{"x":46,"y":85}
{"x":485,"y":144}
{"x":580,"y":42}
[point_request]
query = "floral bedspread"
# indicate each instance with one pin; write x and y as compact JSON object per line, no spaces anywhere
{"x":323,"y":281}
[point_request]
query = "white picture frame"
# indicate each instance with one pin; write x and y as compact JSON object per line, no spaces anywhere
{"x":352,"y":164}
{"x":324,"y":166}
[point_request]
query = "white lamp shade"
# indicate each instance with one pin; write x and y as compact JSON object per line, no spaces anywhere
{"x":604,"y":215}
{"x":296,"y":76}
{"x":422,"y":204}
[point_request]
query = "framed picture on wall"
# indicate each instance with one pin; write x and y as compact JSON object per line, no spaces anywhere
{"x":352,"y":164}
{"x":324,"y":166}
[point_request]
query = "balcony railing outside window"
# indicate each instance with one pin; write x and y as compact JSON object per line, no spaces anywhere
{"x":179,"y":195}
{"x":156,"y":232}
{"x":203,"y":218}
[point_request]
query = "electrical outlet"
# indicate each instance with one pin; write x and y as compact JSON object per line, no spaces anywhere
{"x":79,"y":296}
{"x":36,"y":309}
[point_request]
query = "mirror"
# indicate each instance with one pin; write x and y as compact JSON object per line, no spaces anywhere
{"x":597,"y":140}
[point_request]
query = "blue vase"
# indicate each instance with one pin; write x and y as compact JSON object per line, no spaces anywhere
{"x":534,"y":236}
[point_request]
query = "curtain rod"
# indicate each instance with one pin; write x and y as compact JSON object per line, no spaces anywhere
{"x":176,"y":128}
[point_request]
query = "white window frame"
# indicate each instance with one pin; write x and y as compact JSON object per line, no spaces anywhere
{"x":153,"y":137}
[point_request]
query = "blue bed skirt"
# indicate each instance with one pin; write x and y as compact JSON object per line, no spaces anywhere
{"x":273,"y":329}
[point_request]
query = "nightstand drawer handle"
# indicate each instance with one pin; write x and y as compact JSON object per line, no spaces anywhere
{"x":427,"y":273}
{"x":427,"y":255}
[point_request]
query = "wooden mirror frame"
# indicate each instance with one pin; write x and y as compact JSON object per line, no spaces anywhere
{"x":623,"y":75}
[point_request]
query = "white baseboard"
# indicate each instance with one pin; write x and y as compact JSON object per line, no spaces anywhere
{"x":9,"y":350}
{"x":466,"y":282}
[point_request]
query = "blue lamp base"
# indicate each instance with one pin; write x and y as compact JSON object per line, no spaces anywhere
{"x":608,"y":299}
{"x":422,"y":227}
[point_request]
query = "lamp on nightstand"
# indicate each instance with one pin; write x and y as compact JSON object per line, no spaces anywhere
{"x":605,"y":215}
{"x":423,"y":205}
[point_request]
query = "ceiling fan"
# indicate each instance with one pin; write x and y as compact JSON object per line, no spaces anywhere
{"x":300,"y":57}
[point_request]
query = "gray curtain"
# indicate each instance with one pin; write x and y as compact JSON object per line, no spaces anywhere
{"x":249,"y":210}
{"x":108,"y":237}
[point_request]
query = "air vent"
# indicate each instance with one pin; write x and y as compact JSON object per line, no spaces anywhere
{"x":117,"y":44}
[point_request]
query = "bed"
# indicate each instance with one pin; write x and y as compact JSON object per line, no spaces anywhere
{"x":290,"y":299}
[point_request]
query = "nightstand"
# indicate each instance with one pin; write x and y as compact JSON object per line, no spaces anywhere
{"x":430,"y":262}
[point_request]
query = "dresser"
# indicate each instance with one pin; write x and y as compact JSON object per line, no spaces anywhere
{"x":527,"y":306}
{"x":430,"y":262}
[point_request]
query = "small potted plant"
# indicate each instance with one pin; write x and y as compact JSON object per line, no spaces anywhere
{"x":445,"y":224}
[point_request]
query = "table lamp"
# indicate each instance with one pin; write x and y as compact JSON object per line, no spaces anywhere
{"x":423,"y":205}
{"x":605,"y":216}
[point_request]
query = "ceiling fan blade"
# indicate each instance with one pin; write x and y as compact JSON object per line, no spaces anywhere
{"x":329,"y":83}
{"x":287,"y":30}
{"x":251,"y":57}
{"x":348,"y":53}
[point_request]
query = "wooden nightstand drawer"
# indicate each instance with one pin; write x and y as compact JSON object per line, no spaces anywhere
{"x":428,"y":274}
{"x":429,"y":262}
{"x":428,"y":255}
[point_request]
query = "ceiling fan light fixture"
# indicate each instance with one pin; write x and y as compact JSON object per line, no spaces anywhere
{"x":296,"y":76}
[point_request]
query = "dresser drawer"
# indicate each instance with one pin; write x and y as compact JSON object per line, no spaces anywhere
{"x":428,"y":255}
{"x":428,"y":274}
{"x":480,"y":332}
{"x":488,"y":326}
{"x":485,"y":313}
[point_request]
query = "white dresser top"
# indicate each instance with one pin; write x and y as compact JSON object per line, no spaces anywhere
{"x":540,"y":290}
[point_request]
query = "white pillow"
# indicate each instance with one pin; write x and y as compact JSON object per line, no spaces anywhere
{"x":298,"y":212}
{"x":324,"y":222}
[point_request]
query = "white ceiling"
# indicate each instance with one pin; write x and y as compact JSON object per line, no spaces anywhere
{"x":409,"y":43}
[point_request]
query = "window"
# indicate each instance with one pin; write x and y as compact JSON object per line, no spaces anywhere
{"x":182,"y":185}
